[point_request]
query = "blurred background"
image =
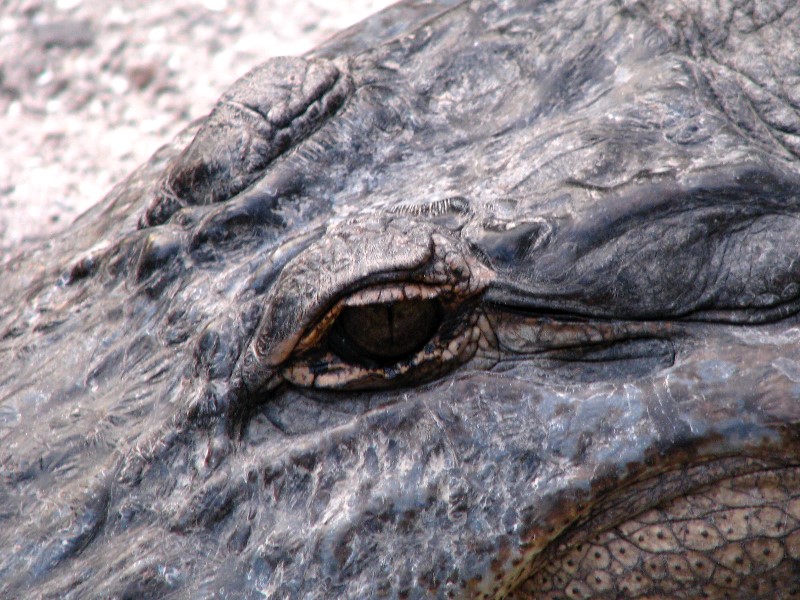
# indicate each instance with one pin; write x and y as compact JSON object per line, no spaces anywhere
{"x":89,"y":89}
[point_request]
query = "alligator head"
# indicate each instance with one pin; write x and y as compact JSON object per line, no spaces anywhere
{"x":478,"y":299}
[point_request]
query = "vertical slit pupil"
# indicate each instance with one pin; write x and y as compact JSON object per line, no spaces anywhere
{"x":385,"y":333}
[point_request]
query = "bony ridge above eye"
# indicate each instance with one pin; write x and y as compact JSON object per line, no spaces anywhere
{"x":414,"y":287}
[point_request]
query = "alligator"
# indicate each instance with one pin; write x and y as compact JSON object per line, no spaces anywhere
{"x":479,"y":299}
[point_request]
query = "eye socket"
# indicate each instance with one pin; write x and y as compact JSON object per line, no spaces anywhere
{"x":386,"y":333}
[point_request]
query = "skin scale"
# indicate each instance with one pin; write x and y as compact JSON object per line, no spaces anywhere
{"x":573,"y":227}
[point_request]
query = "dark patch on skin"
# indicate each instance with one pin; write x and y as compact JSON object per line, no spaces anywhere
{"x":158,"y":250}
{"x":508,"y":246}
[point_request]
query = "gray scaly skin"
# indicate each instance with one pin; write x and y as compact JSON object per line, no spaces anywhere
{"x":479,"y":299}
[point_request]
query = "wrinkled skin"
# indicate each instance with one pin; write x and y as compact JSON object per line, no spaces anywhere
{"x":478,"y":299}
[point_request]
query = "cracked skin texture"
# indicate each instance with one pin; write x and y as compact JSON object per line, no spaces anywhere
{"x":571,"y":228}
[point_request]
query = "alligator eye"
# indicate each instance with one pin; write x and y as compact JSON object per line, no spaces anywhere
{"x":385,"y":333}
